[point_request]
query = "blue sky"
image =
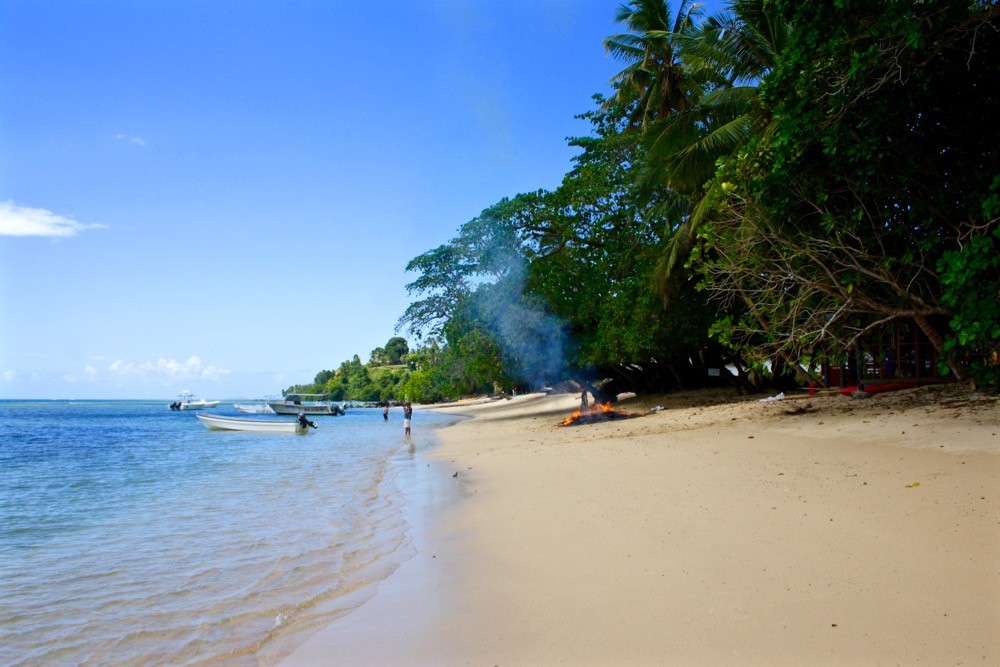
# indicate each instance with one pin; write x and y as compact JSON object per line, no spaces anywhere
{"x":222,"y":196}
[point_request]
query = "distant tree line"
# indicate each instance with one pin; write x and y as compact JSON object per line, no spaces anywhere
{"x":381,"y":379}
{"x":764,"y":188}
{"x":395,"y":373}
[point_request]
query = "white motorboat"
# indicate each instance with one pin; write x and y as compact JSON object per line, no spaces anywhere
{"x":258,"y":407}
{"x":187,"y":401}
{"x":220,"y":423}
{"x":310,"y":404}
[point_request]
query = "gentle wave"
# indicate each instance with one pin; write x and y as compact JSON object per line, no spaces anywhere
{"x":132,"y":535}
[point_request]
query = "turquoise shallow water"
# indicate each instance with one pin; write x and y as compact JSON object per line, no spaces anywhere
{"x":131,"y":534}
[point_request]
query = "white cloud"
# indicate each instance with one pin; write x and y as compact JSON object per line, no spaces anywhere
{"x":8,"y":376}
{"x":169,"y":369}
{"x":213,"y":373}
{"x":119,"y":367}
{"x":138,"y":141}
{"x":24,"y":221}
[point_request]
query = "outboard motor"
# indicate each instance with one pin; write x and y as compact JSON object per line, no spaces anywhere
{"x":305,"y":422}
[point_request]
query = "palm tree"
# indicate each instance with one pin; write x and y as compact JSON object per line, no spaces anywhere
{"x":741,"y":46}
{"x":654,"y":78}
{"x":717,"y":65}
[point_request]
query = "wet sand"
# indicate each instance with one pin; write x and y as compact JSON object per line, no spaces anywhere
{"x":716,"y":530}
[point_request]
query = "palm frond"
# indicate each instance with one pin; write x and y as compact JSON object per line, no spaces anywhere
{"x":670,"y":271}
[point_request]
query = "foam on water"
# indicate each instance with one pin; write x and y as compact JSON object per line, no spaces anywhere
{"x":131,"y":534}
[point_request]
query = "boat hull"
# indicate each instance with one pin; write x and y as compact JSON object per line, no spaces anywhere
{"x":254,"y":408}
{"x":187,"y":401}
{"x":287,"y":408}
{"x":872,"y":388}
{"x":217,"y":423}
{"x":199,"y":405}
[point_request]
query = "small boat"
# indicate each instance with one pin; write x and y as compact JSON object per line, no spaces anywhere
{"x":219,"y":423}
{"x":187,"y":401}
{"x":875,"y":387}
{"x":258,"y":407}
{"x":310,"y":404}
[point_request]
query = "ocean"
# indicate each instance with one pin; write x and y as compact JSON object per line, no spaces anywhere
{"x":130,"y":534}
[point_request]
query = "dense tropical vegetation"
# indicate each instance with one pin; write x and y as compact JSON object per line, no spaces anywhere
{"x":764,"y":189}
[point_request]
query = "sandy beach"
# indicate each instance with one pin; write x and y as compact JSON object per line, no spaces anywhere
{"x":707,"y":529}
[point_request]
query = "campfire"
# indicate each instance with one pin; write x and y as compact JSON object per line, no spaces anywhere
{"x":598,"y":412}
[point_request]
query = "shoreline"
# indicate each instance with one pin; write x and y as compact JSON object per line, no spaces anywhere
{"x":717,"y":530}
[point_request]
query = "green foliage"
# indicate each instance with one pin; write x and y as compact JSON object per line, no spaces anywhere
{"x":598,"y":252}
{"x":555,"y":283}
{"x":472,"y":296}
{"x":864,"y":194}
{"x":396,"y":348}
{"x":724,"y":58}
{"x":823,"y":170}
{"x":426,"y":386}
{"x":377,"y":381}
{"x":654,"y":76}
{"x":971,"y":279}
{"x":390,"y":355}
{"x":378,"y":357}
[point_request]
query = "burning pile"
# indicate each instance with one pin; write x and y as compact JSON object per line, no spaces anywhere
{"x":598,"y":412}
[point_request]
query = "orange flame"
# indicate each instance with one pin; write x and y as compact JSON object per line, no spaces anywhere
{"x":595,"y":410}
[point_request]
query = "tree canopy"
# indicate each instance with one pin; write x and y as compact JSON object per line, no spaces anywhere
{"x":764,"y":188}
{"x":767,"y":188}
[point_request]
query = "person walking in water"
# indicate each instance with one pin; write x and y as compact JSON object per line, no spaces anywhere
{"x":385,"y":413}
{"x":407,"y":416}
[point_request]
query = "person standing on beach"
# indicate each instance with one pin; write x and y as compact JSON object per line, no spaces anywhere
{"x":407,"y":416}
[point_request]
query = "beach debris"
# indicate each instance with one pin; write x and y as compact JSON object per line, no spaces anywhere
{"x":279,"y":620}
{"x":776,"y":397}
{"x":656,"y":409}
{"x":800,"y":409}
{"x":456,"y":474}
{"x":913,"y":485}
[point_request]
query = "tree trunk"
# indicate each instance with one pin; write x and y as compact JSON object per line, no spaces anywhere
{"x":937,"y":340}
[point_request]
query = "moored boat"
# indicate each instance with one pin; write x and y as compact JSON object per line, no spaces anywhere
{"x":258,"y":407}
{"x":310,"y":404}
{"x":875,"y":387}
{"x":220,"y":423}
{"x":187,"y":401}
